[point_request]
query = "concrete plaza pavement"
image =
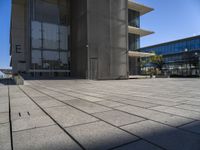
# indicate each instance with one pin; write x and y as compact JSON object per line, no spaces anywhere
{"x":146,"y":114}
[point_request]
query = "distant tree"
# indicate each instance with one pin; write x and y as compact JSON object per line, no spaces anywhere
{"x":157,"y":61}
{"x":154,"y":63}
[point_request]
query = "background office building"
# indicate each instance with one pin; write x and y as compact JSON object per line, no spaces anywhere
{"x":180,"y":57}
{"x":76,"y":38}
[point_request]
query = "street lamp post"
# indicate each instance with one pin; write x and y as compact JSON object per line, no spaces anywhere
{"x":198,"y":63}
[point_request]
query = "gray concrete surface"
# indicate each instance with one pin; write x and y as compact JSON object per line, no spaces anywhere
{"x":99,"y":115}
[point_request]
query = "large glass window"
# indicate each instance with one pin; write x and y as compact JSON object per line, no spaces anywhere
{"x":36,"y":59}
{"x":50,"y":34}
{"x":133,"y":18}
{"x":36,"y":35}
{"x":64,"y":33}
{"x":50,"y":56}
{"x":46,"y":11}
{"x":134,"y":41}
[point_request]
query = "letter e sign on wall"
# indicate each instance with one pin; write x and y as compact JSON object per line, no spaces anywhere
{"x":18,"y":48}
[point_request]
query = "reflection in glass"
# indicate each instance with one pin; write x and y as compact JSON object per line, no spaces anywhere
{"x":36,"y":59}
{"x":36,"y":34}
{"x":50,"y":34}
{"x":133,"y":18}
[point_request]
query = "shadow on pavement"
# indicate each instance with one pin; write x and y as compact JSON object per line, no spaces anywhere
{"x":7,"y":82}
{"x":152,"y":136}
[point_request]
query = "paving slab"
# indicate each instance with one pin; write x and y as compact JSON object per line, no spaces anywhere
{"x":85,"y":97}
{"x":65,"y":98}
{"x":45,"y":97}
{"x":87,"y":106}
{"x":139,"y":103}
{"x":193,"y":127}
{"x":100,"y":136}
{"x":5,"y":143}
{"x":20,"y":105}
{"x":178,"y":111}
{"x":189,"y":107}
{"x":184,"y":98}
{"x":90,"y":94}
{"x":47,"y":138}
{"x":91,"y":98}
{"x":193,"y":102}
{"x":49,"y":103}
{"x":139,"y":145}
{"x":20,"y":101}
{"x":118,"y":118}
{"x":110,"y":103}
{"x":30,"y":119}
{"x":4,"y":108}
{"x":14,"y":89}
{"x":52,"y":93}
{"x":165,"y":136}
{"x":3,"y":93}
{"x":23,"y":108}
{"x":4,"y":99}
{"x":68,"y":116}
{"x":17,"y":95}
{"x":154,"y":100}
{"x":42,"y":98}
{"x":165,"y":118}
{"x":4,"y":117}
{"x":31,"y":92}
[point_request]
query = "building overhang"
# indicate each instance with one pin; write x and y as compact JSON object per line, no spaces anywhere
{"x":139,"y":8}
{"x":139,"y":54}
{"x":138,"y":31}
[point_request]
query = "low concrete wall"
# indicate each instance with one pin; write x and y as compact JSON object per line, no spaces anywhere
{"x":18,"y":80}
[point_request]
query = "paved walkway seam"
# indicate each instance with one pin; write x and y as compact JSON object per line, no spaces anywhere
{"x":10,"y":120}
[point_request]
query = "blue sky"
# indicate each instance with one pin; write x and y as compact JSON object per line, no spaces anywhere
{"x":171,"y":20}
{"x":4,"y":33}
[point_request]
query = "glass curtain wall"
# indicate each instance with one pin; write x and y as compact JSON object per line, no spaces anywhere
{"x":134,"y":18}
{"x":50,"y":35}
{"x":175,"y":47}
{"x":133,"y":42}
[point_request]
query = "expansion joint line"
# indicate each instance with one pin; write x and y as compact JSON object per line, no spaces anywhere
{"x":10,"y":120}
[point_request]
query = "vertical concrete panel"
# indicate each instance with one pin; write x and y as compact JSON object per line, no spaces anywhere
{"x":79,"y":38}
{"x":107,"y":37}
{"x":18,"y":32}
{"x":99,"y":36}
{"x":119,"y":38}
{"x":27,"y":35}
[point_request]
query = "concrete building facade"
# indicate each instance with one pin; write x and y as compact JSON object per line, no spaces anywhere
{"x":77,"y":38}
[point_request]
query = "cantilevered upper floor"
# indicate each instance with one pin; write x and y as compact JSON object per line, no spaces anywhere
{"x":135,"y":11}
{"x":142,"y":9}
{"x":139,"y":31}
